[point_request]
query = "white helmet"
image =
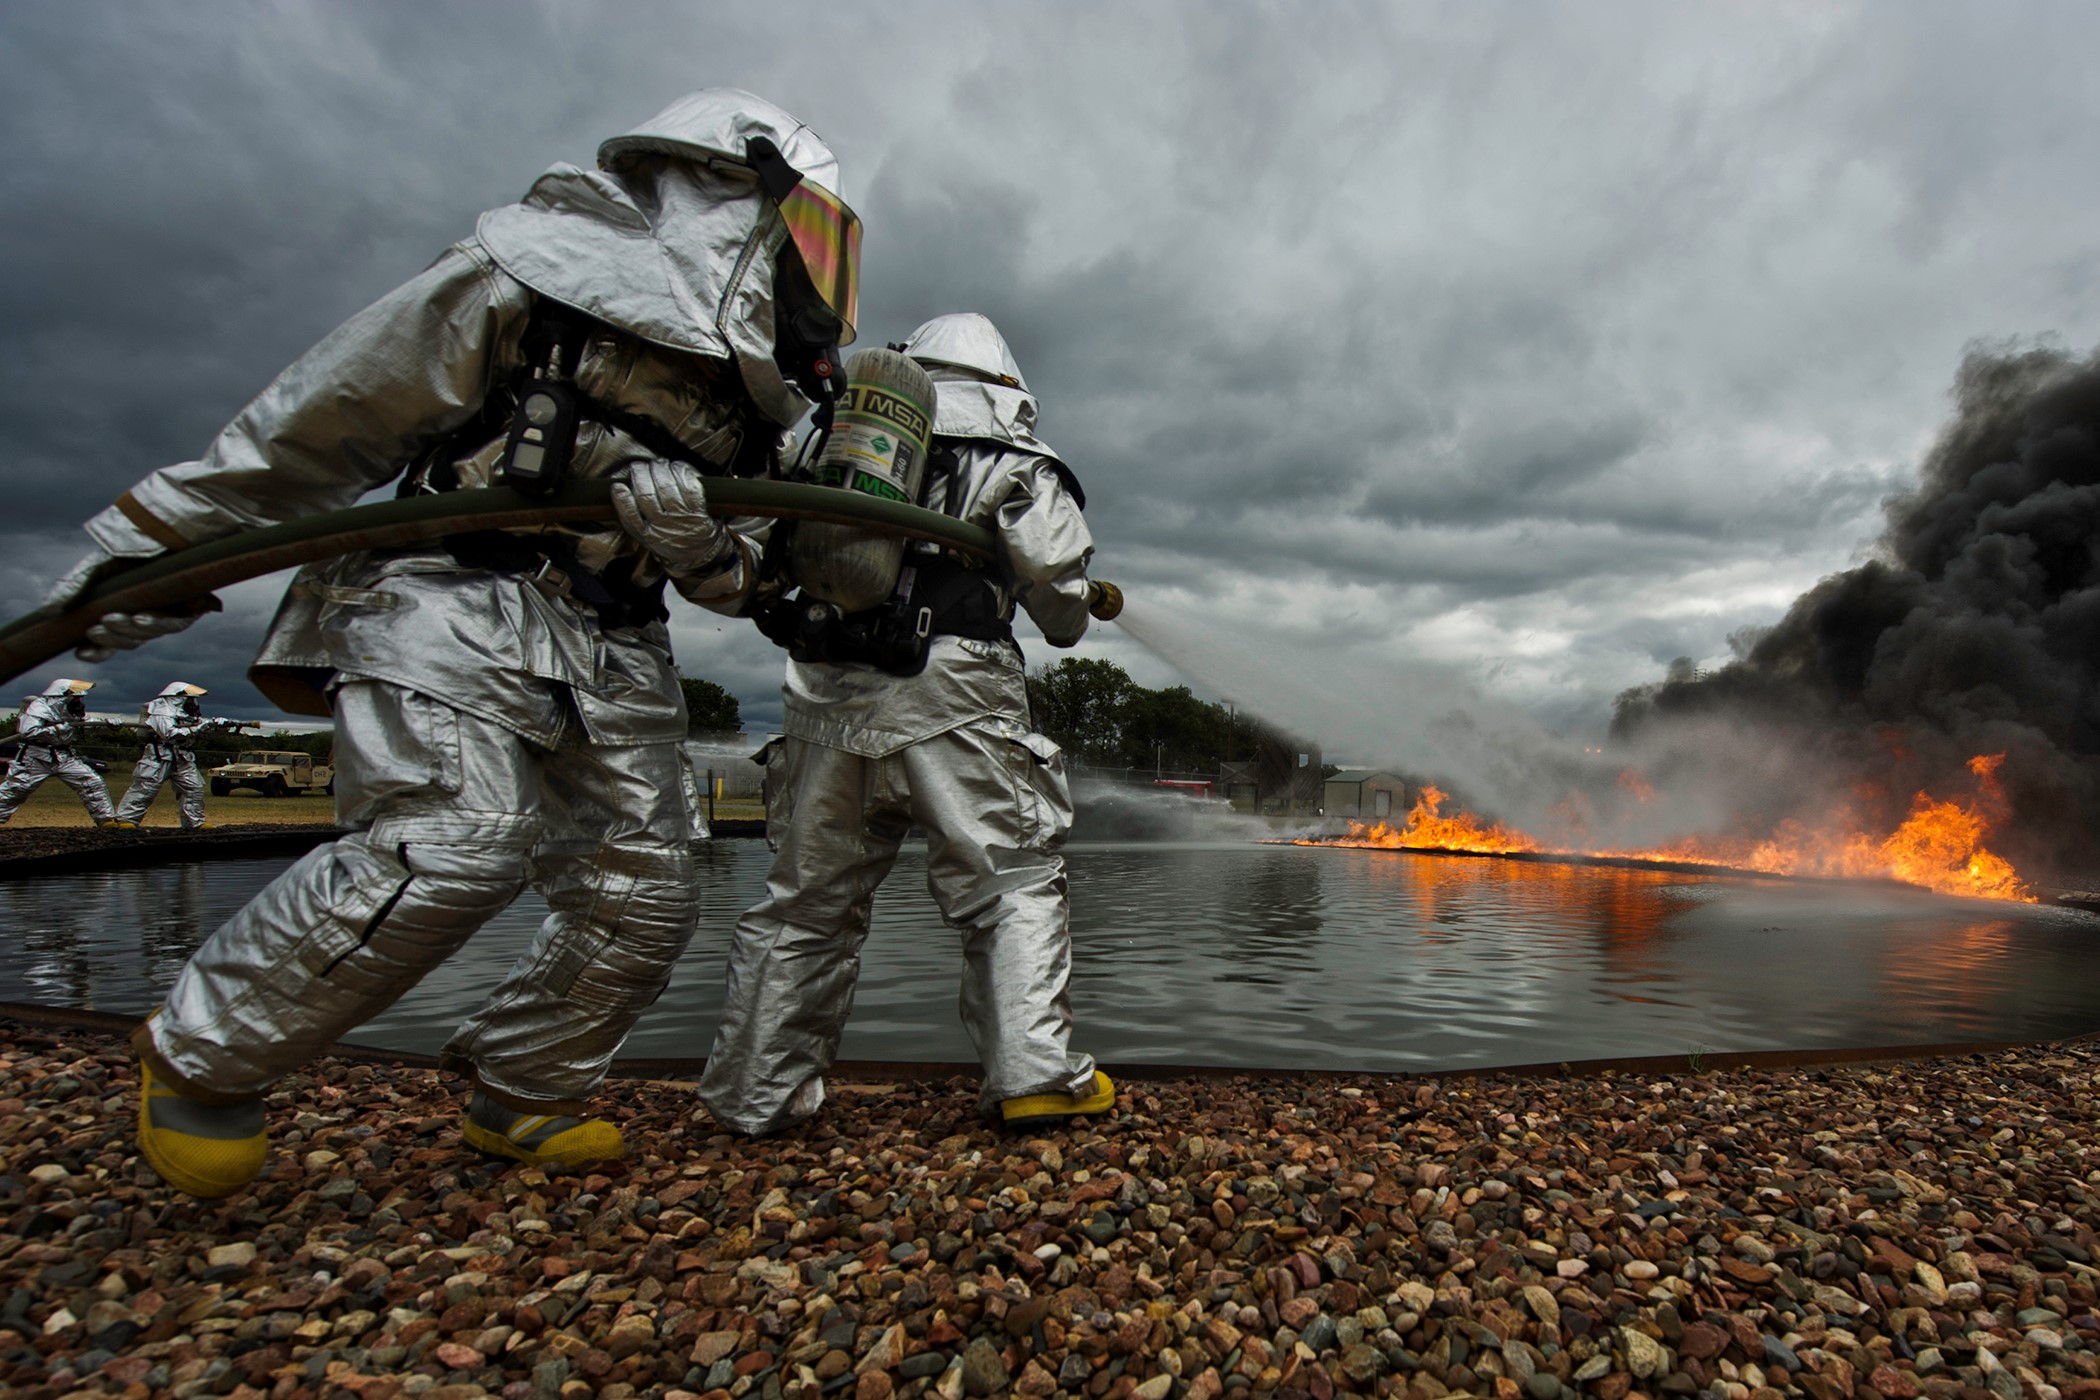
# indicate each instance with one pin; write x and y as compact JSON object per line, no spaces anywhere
{"x":181,"y":688}
{"x":966,"y":340}
{"x":66,"y":687}
{"x":720,"y":122}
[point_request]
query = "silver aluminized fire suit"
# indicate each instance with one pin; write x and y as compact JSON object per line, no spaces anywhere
{"x":493,"y":726}
{"x":170,"y":755}
{"x":866,"y":754}
{"x":48,"y":727}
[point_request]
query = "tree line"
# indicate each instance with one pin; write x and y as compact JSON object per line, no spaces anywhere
{"x":1100,"y":716}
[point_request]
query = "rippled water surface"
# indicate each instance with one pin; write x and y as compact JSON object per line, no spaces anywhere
{"x":1261,"y":956}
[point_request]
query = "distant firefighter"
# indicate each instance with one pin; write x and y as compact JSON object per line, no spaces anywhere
{"x":174,"y":720}
{"x":48,"y":729}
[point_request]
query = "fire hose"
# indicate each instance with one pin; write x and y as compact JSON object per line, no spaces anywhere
{"x":183,"y":579}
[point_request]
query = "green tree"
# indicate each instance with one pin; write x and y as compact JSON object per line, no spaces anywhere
{"x":1082,"y":704}
{"x":708,"y":706}
{"x":1173,"y":731}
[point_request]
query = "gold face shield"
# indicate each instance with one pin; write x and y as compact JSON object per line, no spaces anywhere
{"x":826,"y":235}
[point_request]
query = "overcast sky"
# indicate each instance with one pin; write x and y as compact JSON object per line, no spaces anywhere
{"x":1544,"y":342}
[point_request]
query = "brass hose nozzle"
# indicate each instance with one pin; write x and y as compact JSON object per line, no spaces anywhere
{"x":1104,"y":600}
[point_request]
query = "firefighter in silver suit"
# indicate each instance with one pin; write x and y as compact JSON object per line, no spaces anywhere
{"x":174,"y":720}
{"x":506,"y":708}
{"x":48,"y":728}
{"x":867,"y":753}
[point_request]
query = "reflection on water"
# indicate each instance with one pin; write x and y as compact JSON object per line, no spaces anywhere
{"x":1261,"y":955}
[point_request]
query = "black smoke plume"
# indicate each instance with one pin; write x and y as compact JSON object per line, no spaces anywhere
{"x":1975,"y":629}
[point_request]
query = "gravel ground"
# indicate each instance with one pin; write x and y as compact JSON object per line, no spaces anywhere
{"x":1891,"y":1231}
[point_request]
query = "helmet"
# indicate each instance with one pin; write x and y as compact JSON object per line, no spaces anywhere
{"x":182,"y":688}
{"x":967,"y":341}
{"x":720,"y":122}
{"x":684,"y":238}
{"x":796,"y":169}
{"x":66,"y":687}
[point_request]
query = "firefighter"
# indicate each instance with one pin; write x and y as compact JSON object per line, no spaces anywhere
{"x":45,"y":733}
{"x":934,"y":730}
{"x":174,"y":720}
{"x":506,"y":708}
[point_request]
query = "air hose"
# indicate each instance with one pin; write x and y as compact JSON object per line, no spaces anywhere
{"x":182,"y":578}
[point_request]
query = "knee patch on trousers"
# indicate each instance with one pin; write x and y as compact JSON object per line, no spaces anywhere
{"x":625,"y":914}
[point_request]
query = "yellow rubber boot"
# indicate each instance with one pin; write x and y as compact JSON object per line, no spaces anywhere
{"x":540,"y":1139}
{"x":203,"y":1149}
{"x":1032,"y":1109}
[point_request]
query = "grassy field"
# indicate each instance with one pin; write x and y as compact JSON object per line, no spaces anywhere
{"x":54,"y":804}
{"x":739,"y":809}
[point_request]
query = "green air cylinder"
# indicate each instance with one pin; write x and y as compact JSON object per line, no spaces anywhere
{"x":880,"y":432}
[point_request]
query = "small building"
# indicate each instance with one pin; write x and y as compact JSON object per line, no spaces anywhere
{"x":1367,"y":794}
{"x":1286,"y":773}
{"x":1238,"y":782}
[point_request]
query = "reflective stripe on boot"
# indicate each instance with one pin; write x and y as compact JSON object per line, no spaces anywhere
{"x":540,"y":1139}
{"x":207,"y":1150}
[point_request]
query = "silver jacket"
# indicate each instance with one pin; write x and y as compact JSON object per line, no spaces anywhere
{"x":1011,"y":483}
{"x":171,"y":728}
{"x":44,"y":721}
{"x":678,"y":257}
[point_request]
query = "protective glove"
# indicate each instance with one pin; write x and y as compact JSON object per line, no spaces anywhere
{"x":115,"y":632}
{"x":663,"y":508}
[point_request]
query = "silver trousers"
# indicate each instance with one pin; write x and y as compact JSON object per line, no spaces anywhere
{"x":33,"y":765}
{"x":147,"y":776}
{"x":457,"y":816}
{"x":995,"y":808}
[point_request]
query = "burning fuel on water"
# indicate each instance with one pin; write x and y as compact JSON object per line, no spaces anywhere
{"x":1930,"y":716}
{"x":1938,"y":847}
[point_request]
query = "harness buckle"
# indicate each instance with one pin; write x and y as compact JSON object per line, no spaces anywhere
{"x":923,"y":627}
{"x":553,"y":580}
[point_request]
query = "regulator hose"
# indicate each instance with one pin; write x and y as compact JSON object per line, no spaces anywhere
{"x":183,"y":578}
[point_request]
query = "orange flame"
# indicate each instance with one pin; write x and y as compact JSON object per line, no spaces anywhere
{"x":1427,"y":830}
{"x":1940,"y":846}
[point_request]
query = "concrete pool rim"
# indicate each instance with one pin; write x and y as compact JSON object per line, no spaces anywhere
{"x":39,"y":1016}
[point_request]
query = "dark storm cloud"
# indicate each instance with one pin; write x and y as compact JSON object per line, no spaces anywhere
{"x":1550,"y":342}
{"x":1975,"y":631}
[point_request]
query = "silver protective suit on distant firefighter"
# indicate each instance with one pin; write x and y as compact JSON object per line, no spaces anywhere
{"x":170,"y":755}
{"x":490,"y":732}
{"x":866,"y":754}
{"x":48,"y":733}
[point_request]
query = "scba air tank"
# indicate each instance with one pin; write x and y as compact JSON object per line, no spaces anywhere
{"x":881,"y":428}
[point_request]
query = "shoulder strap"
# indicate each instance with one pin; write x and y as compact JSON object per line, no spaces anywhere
{"x":555,"y":330}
